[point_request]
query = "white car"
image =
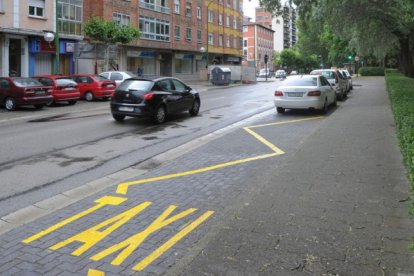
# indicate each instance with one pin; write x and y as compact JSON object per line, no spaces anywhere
{"x":336,"y":79}
{"x":117,"y":76}
{"x":280,"y":74}
{"x":304,"y":92}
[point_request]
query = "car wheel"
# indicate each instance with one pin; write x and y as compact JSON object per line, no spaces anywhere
{"x":195,"y":108}
{"x":10,"y":104}
{"x":324,"y":109}
{"x":118,"y":118}
{"x":89,"y":96}
{"x":280,"y":110}
{"x":160,"y":115}
{"x":39,"y":106}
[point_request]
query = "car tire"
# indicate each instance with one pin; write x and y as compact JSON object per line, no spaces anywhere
{"x":72,"y":102}
{"x":280,"y":110}
{"x":195,"y":108}
{"x":118,"y":118}
{"x":89,"y":96}
{"x":10,"y":104}
{"x":39,"y":106}
{"x":324,"y":109}
{"x":160,"y":115}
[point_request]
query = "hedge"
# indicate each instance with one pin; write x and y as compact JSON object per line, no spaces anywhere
{"x":401,"y":93}
{"x":371,"y":71}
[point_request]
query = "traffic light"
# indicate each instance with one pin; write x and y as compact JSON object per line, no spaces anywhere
{"x":350,"y":57}
{"x":266,"y":58}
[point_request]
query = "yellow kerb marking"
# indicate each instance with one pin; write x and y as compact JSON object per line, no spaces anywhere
{"x":106,"y":200}
{"x":177,"y":237}
{"x":93,"y":272}
{"x":123,"y":187}
{"x":129,"y":245}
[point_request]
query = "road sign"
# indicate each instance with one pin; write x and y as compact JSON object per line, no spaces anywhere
{"x":356,"y":58}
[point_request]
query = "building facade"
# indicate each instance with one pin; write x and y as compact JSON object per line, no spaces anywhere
{"x":283,"y":25}
{"x":23,"y":24}
{"x":257,"y":42}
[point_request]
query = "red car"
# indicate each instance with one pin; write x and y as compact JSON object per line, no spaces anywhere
{"x":23,"y":91}
{"x":94,"y":86}
{"x":64,"y":88}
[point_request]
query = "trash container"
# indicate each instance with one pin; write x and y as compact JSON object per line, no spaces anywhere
{"x":220,"y":75}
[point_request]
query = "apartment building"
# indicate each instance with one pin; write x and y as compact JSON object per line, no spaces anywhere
{"x":284,"y":26}
{"x":23,"y":25}
{"x":178,"y":37}
{"x":257,"y":42}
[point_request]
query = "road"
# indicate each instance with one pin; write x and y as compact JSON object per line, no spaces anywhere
{"x":62,"y":147}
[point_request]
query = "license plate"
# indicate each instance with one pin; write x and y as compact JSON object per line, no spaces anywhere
{"x":126,"y":108}
{"x":110,"y":85}
{"x":39,"y":93}
{"x":68,"y":88}
{"x":295,"y":94}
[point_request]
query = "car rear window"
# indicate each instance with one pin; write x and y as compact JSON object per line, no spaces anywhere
{"x":24,"y":82}
{"x":141,"y":85}
{"x":99,"y":78}
{"x":302,"y":81}
{"x":63,"y":82}
{"x":326,"y":74}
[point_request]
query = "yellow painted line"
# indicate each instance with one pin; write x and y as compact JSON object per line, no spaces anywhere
{"x":93,"y":272}
{"x":106,"y":200}
{"x":176,"y":238}
{"x":264,"y":141}
{"x":286,"y":122}
{"x":123,"y":187}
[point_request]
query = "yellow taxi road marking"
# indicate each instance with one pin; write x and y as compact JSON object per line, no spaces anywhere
{"x":177,"y":237}
{"x":106,"y":200}
{"x":92,"y":236}
{"x":93,"y":272}
{"x":264,"y":141}
{"x":287,"y":122}
{"x":129,"y":245}
{"x":123,"y":187}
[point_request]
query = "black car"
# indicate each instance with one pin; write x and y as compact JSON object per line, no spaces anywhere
{"x":155,"y":98}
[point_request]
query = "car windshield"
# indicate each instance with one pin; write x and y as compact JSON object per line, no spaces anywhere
{"x":24,"y":82}
{"x":141,"y":85}
{"x":63,"y":82}
{"x":302,"y":81}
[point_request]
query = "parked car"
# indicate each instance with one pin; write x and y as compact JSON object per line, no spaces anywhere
{"x":23,"y":91}
{"x":349,"y":77}
{"x":155,"y":98}
{"x":117,"y":76}
{"x":304,"y":92}
{"x":64,"y":88}
{"x":94,"y":86}
{"x":336,"y":79}
{"x":264,"y":72}
{"x":280,"y":74}
{"x":294,"y":72}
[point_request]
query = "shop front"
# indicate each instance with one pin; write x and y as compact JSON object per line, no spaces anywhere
{"x":142,"y":63}
{"x":13,"y":56}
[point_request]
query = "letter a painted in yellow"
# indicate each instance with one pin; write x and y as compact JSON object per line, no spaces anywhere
{"x":92,"y":236}
{"x":103,"y":201}
{"x":129,"y":245}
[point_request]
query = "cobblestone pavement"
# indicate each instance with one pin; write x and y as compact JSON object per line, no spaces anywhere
{"x":321,"y":208}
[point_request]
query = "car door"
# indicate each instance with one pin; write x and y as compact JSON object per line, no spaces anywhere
{"x":329,"y":92}
{"x":185,"y":97}
{"x":170,"y":97}
{"x":4,"y":89}
{"x":82,"y":84}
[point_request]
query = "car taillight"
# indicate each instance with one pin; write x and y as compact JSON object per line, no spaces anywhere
{"x":314,"y":93}
{"x":278,"y":93}
{"x":49,"y":91}
{"x":148,"y":96}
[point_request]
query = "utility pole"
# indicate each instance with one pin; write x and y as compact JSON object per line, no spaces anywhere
{"x":57,"y":71}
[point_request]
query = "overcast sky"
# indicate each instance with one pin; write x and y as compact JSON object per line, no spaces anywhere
{"x":249,"y":7}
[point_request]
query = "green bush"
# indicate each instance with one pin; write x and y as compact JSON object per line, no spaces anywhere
{"x":401,"y":94}
{"x":371,"y":71}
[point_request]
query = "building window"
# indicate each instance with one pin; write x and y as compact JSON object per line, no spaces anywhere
{"x":198,"y":12}
{"x":210,"y":39}
{"x":220,"y":19}
{"x":245,"y":52}
{"x":154,"y":28}
{"x":36,"y":8}
{"x":199,"y":36}
{"x":121,"y":19}
{"x":245,"y":43}
{"x":228,"y":42}
{"x":228,"y":21}
{"x":235,"y":24}
{"x":70,"y":14}
{"x":177,"y":6}
{"x":183,"y":66}
{"x":235,"y":4}
{"x":234,"y":42}
{"x":210,"y":16}
{"x":159,"y":6}
{"x":188,"y":9}
{"x":228,"y":3}
{"x":220,"y":40}
{"x":188,"y":34}
{"x":177,"y":33}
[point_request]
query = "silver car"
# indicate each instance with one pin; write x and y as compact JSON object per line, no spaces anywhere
{"x":117,"y":76}
{"x":336,"y":79}
{"x":304,"y":92}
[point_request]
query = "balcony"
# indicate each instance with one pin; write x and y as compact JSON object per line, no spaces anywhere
{"x":154,"y":7}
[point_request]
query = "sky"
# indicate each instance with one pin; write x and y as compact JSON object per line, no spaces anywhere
{"x":249,"y":7}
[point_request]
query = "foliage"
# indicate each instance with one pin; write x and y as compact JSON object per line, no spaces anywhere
{"x":109,"y":32}
{"x":401,"y":94}
{"x":371,"y":71}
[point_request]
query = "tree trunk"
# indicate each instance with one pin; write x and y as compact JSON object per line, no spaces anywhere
{"x":405,"y":57}
{"x":107,"y":58}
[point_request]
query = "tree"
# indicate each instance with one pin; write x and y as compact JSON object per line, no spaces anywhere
{"x":109,"y":33}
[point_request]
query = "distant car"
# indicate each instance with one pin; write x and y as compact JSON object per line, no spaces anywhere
{"x":349,"y":77}
{"x":280,"y":74}
{"x":294,"y":72}
{"x":94,"y":86}
{"x":117,"y":76}
{"x":64,"y":88}
{"x":304,"y":92}
{"x":264,"y":72}
{"x":336,"y":79}
{"x":154,"y":98}
{"x":23,"y":91}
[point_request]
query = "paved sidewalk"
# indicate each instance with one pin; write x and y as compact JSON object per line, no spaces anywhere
{"x":328,"y":210}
